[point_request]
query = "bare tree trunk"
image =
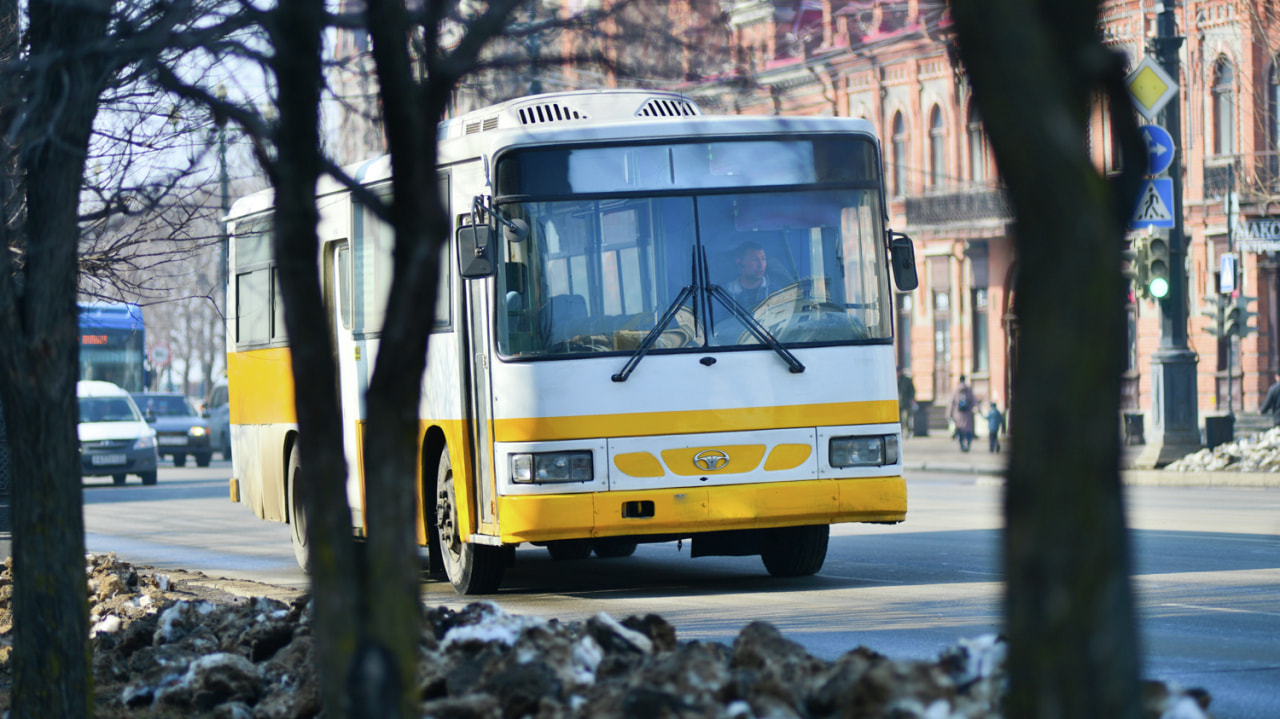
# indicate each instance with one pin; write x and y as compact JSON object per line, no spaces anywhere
{"x":51,"y":671}
{"x":1070,"y":618}
{"x":392,"y":444}
{"x":322,"y":488}
{"x":411,"y":110}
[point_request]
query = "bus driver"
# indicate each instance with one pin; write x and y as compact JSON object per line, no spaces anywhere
{"x":751,"y":286}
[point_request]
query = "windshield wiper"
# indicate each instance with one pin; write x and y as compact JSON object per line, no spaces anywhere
{"x":693,"y":290}
{"x":647,"y":343}
{"x":760,"y":331}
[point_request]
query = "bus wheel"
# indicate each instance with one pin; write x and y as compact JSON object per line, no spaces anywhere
{"x":612,"y":547}
{"x":297,"y":515}
{"x":118,"y":478}
{"x":794,"y":551}
{"x":569,"y":549}
{"x":471,"y":568}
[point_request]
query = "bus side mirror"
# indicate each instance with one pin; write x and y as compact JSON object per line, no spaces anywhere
{"x":475,"y":243}
{"x":903,"y":258}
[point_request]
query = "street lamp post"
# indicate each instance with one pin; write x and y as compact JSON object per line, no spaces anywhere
{"x":1176,"y":430}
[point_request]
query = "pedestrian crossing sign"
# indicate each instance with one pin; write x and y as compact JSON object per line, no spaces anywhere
{"x":1155,"y":205}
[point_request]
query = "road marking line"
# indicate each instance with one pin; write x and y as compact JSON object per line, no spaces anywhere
{"x":1225,"y":610}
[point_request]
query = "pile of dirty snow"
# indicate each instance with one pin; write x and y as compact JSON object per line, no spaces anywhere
{"x":161,"y":650}
{"x":1255,"y":453}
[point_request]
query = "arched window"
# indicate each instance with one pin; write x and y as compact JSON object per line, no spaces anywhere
{"x":977,"y":148}
{"x":937,"y":148}
{"x":1224,"y":110}
{"x":899,"y":155}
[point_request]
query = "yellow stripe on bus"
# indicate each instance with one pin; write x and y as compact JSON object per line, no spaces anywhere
{"x":261,"y":387}
{"x":648,"y":424}
{"x":542,"y":518}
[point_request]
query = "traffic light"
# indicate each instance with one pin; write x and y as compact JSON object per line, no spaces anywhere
{"x":1218,"y":313}
{"x":1238,"y":316}
{"x":1136,"y":269}
{"x":1158,"y":267}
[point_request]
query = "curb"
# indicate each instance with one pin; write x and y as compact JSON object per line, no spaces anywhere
{"x":1130,"y":477}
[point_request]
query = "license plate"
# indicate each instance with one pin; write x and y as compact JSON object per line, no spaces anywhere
{"x":171,"y":440}
{"x":101,"y":459}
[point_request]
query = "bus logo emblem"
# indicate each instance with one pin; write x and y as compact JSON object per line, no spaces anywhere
{"x":710,"y":460}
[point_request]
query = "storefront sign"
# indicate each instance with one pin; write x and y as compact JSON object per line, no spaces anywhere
{"x":1261,"y":235}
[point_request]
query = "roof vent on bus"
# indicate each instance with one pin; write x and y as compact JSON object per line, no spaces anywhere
{"x":664,"y":107}
{"x":485,"y":125}
{"x":549,"y":112}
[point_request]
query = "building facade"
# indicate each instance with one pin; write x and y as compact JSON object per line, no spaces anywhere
{"x":895,"y":64}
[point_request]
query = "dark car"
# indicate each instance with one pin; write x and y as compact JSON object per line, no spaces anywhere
{"x":180,"y":430}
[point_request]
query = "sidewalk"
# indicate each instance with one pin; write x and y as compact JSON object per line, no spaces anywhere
{"x":939,"y":452}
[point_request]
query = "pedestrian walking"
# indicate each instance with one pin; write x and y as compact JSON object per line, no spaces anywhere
{"x":960,"y":412}
{"x":1271,"y":405}
{"x":906,"y":401}
{"x":995,"y":425}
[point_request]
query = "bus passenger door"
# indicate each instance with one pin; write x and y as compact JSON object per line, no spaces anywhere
{"x":338,"y":302}
{"x":481,"y":396}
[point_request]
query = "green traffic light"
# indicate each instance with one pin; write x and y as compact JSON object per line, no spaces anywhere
{"x":1159,"y":287}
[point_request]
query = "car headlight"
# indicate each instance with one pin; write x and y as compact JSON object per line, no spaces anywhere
{"x":536,"y":468}
{"x":146,"y":441}
{"x":198,"y":431}
{"x":867,"y":451}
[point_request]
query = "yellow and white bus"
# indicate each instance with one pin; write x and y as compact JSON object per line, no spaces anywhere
{"x":653,"y":324}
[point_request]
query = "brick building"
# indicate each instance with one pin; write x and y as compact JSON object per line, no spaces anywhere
{"x":894,"y":63}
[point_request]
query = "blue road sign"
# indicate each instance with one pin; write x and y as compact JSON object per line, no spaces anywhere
{"x":1155,"y":204}
{"x":1160,"y":148}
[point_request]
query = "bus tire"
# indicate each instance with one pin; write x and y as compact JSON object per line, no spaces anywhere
{"x":118,"y":478}
{"x":613,"y":547}
{"x":297,"y":514}
{"x":795,"y":551}
{"x":567,"y":550}
{"x":471,"y":568}
{"x":147,"y":477}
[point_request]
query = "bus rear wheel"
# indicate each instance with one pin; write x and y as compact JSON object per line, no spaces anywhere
{"x":471,"y":568}
{"x":298,"y":515}
{"x":794,"y":551}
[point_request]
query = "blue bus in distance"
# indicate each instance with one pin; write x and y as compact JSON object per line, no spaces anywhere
{"x":113,"y":345}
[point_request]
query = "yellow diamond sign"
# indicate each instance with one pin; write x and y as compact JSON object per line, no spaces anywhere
{"x":1150,"y":87}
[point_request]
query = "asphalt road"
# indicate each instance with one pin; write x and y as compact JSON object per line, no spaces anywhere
{"x":1207,"y":576}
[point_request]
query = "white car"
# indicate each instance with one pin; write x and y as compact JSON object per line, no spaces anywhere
{"x":115,"y":440}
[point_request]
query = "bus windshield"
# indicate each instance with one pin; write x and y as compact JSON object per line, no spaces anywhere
{"x":595,"y":276}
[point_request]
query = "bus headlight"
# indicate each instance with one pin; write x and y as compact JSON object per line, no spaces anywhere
{"x":867,"y":451}
{"x":536,"y":468}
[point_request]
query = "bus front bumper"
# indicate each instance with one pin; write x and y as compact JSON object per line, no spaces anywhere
{"x":541,"y":518}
